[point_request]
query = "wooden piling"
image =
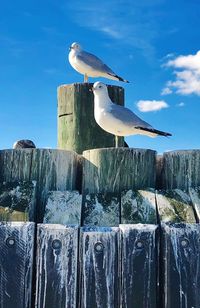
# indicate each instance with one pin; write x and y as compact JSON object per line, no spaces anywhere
{"x":181,"y":169}
{"x":118,"y":169}
{"x":77,"y":128}
{"x":51,"y":169}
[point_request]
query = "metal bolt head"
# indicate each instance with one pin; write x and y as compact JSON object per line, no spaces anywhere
{"x":10,"y":241}
{"x":98,"y":247}
{"x":56,"y":244}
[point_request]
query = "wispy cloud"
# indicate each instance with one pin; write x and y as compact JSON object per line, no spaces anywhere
{"x":151,"y":105}
{"x":187,"y":75}
{"x":122,"y":20}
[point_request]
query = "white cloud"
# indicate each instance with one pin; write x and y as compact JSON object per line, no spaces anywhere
{"x":147,"y":105}
{"x":187,"y":77}
{"x":166,"y":91}
{"x":181,"y":104}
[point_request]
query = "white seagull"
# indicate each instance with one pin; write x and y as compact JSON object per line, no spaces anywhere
{"x":119,"y":120}
{"x":89,"y":65}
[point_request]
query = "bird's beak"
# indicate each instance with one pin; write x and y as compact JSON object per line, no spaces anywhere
{"x":70,"y":48}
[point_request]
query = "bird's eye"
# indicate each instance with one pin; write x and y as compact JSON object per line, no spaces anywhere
{"x":100,"y":87}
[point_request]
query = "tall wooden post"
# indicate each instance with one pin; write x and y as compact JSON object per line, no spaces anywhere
{"x":77,"y":128}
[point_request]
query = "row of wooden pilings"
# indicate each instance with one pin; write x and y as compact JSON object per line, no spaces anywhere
{"x":121,"y":228}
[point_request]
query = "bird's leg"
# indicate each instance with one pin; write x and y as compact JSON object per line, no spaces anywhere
{"x":85,"y":78}
{"x":116,"y":141}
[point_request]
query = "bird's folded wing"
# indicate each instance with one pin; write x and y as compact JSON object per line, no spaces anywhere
{"x":94,"y":62}
{"x":127,"y":116}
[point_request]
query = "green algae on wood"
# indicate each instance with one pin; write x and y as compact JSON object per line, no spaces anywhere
{"x":101,"y":210}
{"x":17,"y":201}
{"x":138,"y":207}
{"x":51,"y":169}
{"x":174,"y":206}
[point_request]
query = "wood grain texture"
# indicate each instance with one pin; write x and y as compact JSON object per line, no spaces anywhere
{"x":77,"y":128}
{"x":114,"y":170}
{"x":138,"y":206}
{"x":175,"y":206}
{"x":180,"y":250}
{"x":51,"y":169}
{"x":99,"y":267}
{"x":17,"y":201}
{"x":181,"y":169}
{"x":139,"y":265}
{"x":16,"y":262}
{"x":57,"y":249}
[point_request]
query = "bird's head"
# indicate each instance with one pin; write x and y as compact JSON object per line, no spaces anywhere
{"x":99,"y":88}
{"x":75,"y":46}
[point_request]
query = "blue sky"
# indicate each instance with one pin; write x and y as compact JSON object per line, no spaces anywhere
{"x":153,"y":44}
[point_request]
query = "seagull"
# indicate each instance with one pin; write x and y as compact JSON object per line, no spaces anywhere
{"x":89,"y":65}
{"x":24,"y":144}
{"x":119,"y":120}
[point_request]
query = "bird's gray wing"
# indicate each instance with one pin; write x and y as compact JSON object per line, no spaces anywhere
{"x":94,"y":62}
{"x":127,"y":116}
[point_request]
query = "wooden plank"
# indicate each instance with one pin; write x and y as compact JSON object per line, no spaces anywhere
{"x":118,"y":169}
{"x":17,"y":201}
{"x":181,"y":169}
{"x":77,"y":128}
{"x":16,"y":264}
{"x":138,"y":207}
{"x":57,"y":249}
{"x":174,"y":206}
{"x":180,"y":250}
{"x":101,"y":210}
{"x":139,"y":265}
{"x":99,"y":267}
{"x":63,"y":208}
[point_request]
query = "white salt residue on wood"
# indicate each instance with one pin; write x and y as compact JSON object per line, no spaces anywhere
{"x":138,"y":206}
{"x":117,"y":169}
{"x":181,"y":169}
{"x":99,"y":267}
{"x":174,"y":206}
{"x":185,"y":247}
{"x":63,"y":207}
{"x":195,"y":197}
{"x":101,"y":211}
{"x":57,"y":267}
{"x":139,"y":281}
{"x":17,"y":243}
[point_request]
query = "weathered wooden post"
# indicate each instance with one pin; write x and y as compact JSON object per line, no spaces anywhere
{"x":57,"y":261}
{"x":115,"y":183}
{"x":51,"y":169}
{"x":16,"y":264}
{"x":108,"y":173}
{"x":181,"y":169}
{"x":77,"y":128}
{"x":178,"y":205}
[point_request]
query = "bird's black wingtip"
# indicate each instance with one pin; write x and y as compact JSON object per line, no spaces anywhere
{"x":121,"y":79}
